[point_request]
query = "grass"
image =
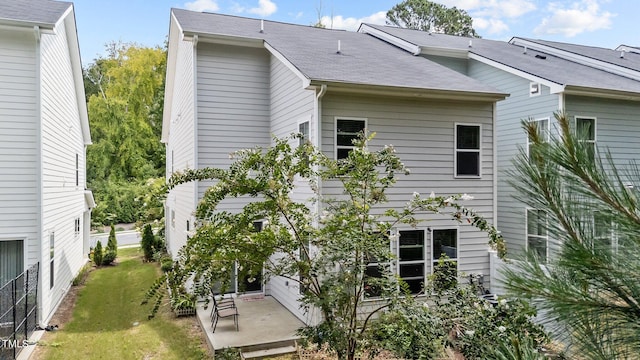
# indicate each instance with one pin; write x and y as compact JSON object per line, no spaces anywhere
{"x":103,"y":320}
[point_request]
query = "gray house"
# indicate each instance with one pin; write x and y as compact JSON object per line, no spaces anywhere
{"x":598,"y":88}
{"x":233,"y":82}
{"x":44,"y":131}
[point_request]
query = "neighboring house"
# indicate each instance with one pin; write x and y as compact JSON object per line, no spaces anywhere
{"x":233,"y":82}
{"x":598,"y":88}
{"x":44,"y":131}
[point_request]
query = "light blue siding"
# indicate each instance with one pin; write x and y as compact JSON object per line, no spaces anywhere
{"x":518,"y":106}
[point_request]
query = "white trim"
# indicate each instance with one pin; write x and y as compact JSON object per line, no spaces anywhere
{"x":431,"y":260}
{"x":578,"y":58}
{"x":554,"y":88}
{"x":305,"y":80}
{"x":531,"y":87}
{"x":595,"y":125}
{"x":455,"y":151}
{"x":306,"y":118}
{"x":393,"y":40}
{"x":335,"y":132}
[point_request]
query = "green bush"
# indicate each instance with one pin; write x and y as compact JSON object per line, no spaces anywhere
{"x":108,"y":257}
{"x":228,"y":354}
{"x":112,"y":244}
{"x":148,"y":242}
{"x":97,"y":254}
{"x":166,"y":265}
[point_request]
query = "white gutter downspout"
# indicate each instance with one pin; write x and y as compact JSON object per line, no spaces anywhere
{"x":40,"y":230}
{"x":196,"y":165}
{"x":318,"y":137}
{"x":495,"y":165}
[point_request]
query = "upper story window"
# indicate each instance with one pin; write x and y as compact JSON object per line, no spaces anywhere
{"x":347,"y":130}
{"x":542,"y":126}
{"x":586,"y":133}
{"x":303,"y":128}
{"x":467,"y":150}
{"x":76,"y":226}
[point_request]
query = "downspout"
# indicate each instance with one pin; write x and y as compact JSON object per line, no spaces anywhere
{"x":39,"y":178}
{"x":495,"y":166}
{"x":318,"y":139}
{"x":196,"y":165}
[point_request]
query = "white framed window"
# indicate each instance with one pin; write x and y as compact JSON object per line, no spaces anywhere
{"x":537,"y":234}
{"x":347,"y":130}
{"x":605,"y":236}
{"x":303,"y":128}
{"x":543,"y":132}
{"x":411,"y":259}
{"x":76,"y":226}
{"x":77,"y":169}
{"x":586,"y":133}
{"x":467,"y":159}
{"x":444,"y":245}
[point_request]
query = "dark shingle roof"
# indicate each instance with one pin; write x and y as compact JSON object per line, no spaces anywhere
{"x":551,"y":68}
{"x":37,"y":12}
{"x":630,"y":60}
{"x":363,"y":59}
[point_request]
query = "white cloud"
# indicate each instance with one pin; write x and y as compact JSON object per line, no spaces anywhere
{"x":202,"y":5}
{"x":265,"y":8}
{"x":490,"y":26}
{"x":351,"y":23}
{"x":493,"y":8}
{"x":581,"y":16}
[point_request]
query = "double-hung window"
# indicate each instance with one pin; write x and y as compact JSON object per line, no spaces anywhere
{"x":347,"y":130}
{"x":11,"y":260}
{"x":537,"y":235}
{"x":303,"y":128}
{"x":542,"y":127}
{"x":444,"y":245}
{"x":411,"y":259}
{"x":467,"y":150}
{"x":586,"y":133}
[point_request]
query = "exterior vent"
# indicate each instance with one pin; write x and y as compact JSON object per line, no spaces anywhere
{"x":538,"y":56}
{"x":534,"y":89}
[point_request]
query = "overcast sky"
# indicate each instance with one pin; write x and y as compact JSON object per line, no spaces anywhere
{"x":604,"y":23}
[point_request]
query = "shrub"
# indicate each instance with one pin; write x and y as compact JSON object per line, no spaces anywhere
{"x":112,"y":244}
{"x":108,"y":257}
{"x":148,"y":242}
{"x":228,"y":354}
{"x":97,"y":254}
{"x":166,"y":265}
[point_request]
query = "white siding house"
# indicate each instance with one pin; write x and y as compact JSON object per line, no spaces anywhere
{"x":235,"y":82}
{"x":44,"y":131}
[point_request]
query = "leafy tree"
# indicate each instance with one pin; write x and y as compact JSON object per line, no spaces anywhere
{"x":327,"y":255}
{"x":125,"y":93}
{"x":429,"y":16}
{"x":589,"y":289}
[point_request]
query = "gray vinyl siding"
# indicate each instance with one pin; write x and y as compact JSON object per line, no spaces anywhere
{"x":617,"y":125}
{"x":518,"y":106}
{"x":232,"y":104}
{"x":19,"y":137}
{"x":62,"y":200}
{"x":422,"y":132}
{"x":459,"y":65}
{"x":290,"y":105}
{"x":181,"y":147}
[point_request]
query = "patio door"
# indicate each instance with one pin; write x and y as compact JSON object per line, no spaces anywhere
{"x":11,"y":260}
{"x":249,"y":283}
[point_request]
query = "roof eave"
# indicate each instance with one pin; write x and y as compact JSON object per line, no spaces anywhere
{"x":407,"y":92}
{"x":442,"y":51}
{"x":602,"y":93}
{"x":391,"y":39}
{"x":45,"y":28}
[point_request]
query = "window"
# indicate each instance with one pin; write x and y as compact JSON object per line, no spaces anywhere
{"x":173,"y":219}
{"x":411,"y":259}
{"x":375,"y":269}
{"x":604,"y":235}
{"x":77,"y":169}
{"x":76,"y":226}
{"x":347,"y":130}
{"x":444,"y":245}
{"x":303,"y":128}
{"x":52,"y":242}
{"x":543,"y":132}
{"x":586,"y":133}
{"x":11,"y":260}
{"x":537,"y":236}
{"x":467,"y":150}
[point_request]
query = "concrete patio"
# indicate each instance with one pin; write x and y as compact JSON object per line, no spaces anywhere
{"x":263,"y":324}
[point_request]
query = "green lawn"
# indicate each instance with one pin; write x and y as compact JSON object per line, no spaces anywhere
{"x":106,"y":310}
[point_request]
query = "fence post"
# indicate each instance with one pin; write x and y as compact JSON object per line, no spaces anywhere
{"x":15,"y":314}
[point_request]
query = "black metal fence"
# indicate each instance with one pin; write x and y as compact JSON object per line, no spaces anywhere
{"x":18,"y":312}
